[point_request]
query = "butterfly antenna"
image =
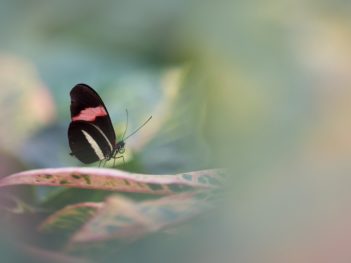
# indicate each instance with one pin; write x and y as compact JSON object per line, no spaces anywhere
{"x":141,"y":126}
{"x":124,"y":133}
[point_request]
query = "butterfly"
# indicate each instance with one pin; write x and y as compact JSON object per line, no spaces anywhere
{"x":91,"y":135}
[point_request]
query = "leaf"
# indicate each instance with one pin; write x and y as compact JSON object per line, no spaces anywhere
{"x":125,"y":220}
{"x":23,"y":96}
{"x":68,"y":217}
{"x":35,"y":254}
{"x":117,"y":180}
{"x":62,"y":224}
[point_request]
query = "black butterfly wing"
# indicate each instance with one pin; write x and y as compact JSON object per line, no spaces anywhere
{"x":88,"y":142}
{"x":86,"y":105}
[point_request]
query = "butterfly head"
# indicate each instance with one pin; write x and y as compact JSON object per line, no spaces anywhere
{"x":120,"y":147}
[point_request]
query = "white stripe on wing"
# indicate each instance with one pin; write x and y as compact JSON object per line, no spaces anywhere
{"x":103,"y":134}
{"x":94,"y":145}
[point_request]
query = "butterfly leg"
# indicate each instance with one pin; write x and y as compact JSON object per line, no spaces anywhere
{"x":102,"y":163}
{"x":117,"y":157}
{"x":114,"y":158}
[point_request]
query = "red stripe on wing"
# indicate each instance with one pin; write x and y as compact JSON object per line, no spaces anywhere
{"x":90,"y":114}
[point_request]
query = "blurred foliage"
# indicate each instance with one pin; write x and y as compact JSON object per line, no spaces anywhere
{"x":260,"y":87}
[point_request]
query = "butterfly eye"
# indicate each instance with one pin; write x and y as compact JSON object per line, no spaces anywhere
{"x":122,"y":150}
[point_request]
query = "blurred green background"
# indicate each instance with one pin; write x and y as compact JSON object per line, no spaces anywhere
{"x":259,"y":87}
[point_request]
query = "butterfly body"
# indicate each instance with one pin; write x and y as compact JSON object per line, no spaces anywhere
{"x":90,"y":134}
